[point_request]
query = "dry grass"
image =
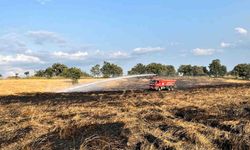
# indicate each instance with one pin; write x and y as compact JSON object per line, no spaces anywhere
{"x":199,"y":118}
{"x":17,"y":86}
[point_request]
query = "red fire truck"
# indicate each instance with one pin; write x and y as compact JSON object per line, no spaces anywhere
{"x":161,"y":84}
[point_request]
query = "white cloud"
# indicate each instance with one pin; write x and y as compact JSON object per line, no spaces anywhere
{"x":11,"y":43}
{"x":143,"y":50}
{"x":119,"y":55}
{"x":19,"y":58}
{"x":225,"y":45}
{"x":11,"y":71}
{"x":73,"y":56}
{"x":241,"y":30}
{"x":203,"y":52}
{"x":28,"y":51}
{"x":43,"y":2}
{"x":98,"y":52}
{"x":239,"y":45}
{"x":42,"y":37}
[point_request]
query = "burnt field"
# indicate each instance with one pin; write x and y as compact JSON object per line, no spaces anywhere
{"x":199,"y":117}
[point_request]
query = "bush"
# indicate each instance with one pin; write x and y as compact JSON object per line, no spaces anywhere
{"x":40,"y":73}
{"x":48,"y":72}
{"x":242,"y":70}
{"x":73,"y":73}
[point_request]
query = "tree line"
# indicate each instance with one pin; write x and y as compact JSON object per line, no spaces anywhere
{"x":214,"y":69}
{"x":61,"y":70}
{"x":111,"y":70}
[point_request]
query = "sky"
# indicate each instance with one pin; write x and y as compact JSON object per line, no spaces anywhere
{"x":37,"y":33}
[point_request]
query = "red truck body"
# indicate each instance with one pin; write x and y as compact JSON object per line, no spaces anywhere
{"x":161,"y":84}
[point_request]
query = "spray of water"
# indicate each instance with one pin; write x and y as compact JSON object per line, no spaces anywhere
{"x":94,"y":86}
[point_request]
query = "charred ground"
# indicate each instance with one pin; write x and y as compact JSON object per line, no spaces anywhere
{"x":202,"y":117}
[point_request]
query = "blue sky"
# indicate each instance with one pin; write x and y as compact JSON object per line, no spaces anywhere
{"x":36,"y":33}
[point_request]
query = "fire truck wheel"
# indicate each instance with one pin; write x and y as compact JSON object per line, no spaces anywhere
{"x":169,"y":88}
{"x":172,"y":88}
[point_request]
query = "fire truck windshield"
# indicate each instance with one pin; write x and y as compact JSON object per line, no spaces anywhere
{"x":154,"y":81}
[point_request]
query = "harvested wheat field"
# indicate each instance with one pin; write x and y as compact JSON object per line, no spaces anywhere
{"x":205,"y":117}
{"x":19,"y":86}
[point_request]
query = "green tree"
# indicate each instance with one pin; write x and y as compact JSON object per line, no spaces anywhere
{"x":26,"y":73}
{"x":73,"y":73}
{"x":111,"y":70}
{"x":223,"y":70}
{"x":96,"y":70}
{"x":206,"y":72}
{"x":186,"y":70}
{"x":242,"y":70}
{"x":160,"y":69}
{"x":49,"y":72}
{"x":197,"y":71}
{"x":1,"y":76}
{"x":216,"y":69}
{"x":138,"y":69}
{"x":16,"y":75}
{"x":170,"y":70}
{"x":40,"y":73}
{"x":58,"y":69}
{"x":155,"y":68}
